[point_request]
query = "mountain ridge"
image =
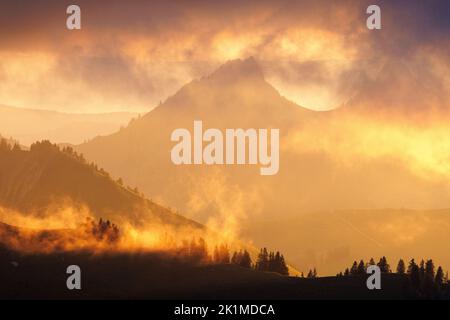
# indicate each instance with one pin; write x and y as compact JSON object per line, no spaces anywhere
{"x":43,"y":177}
{"x":31,"y":125}
{"x":248,"y":102}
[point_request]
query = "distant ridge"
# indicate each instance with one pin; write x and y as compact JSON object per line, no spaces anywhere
{"x":31,"y":125}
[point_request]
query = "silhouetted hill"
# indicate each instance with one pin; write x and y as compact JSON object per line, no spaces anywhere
{"x":45,"y":177}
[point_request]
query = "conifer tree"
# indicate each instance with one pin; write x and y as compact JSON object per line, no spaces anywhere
{"x":370,"y":263}
{"x":283,"y":269}
{"x":383,"y":264}
{"x":354,"y":268}
{"x":439,"y":279}
{"x":412,"y":264}
{"x":414,"y":274}
{"x":401,"y":266}
{"x":246,"y":260}
{"x":271,"y":265}
{"x":361,"y":269}
{"x":429,"y":269}
{"x":262,"y":262}
{"x":311,"y":274}
{"x":422,"y":269}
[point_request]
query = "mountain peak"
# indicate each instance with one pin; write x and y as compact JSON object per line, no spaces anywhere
{"x":238,"y":69}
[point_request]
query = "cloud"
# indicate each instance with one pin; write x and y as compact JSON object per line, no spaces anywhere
{"x":129,"y":56}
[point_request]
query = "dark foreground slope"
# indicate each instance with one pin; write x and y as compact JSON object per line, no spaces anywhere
{"x":166,"y":276}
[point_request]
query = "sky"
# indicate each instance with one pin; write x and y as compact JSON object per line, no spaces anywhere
{"x":130,"y":55}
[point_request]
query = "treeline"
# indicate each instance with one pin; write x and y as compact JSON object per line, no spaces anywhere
{"x":361,"y":267}
{"x":266,"y":261}
{"x":272,"y":262}
{"x":312,"y":274}
{"x":424,"y":280}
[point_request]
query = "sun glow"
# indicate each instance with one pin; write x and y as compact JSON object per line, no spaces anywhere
{"x":425,"y":149}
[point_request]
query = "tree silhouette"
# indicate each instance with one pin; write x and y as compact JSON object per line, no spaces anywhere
{"x":242,"y":258}
{"x":272,"y":262}
{"x":221,"y":254}
{"x":383,"y":265}
{"x":439,"y":279}
{"x":246,"y":260}
{"x":354,"y":268}
{"x":361,"y":269}
{"x":429,"y":269}
{"x":271,"y":265}
{"x":414,"y":275}
{"x":262,"y":262}
{"x":198,"y":250}
{"x":281,"y":266}
{"x":401,"y":268}
{"x":412,"y":264}
{"x":428,"y":287}
{"x":312,"y":274}
{"x":422,"y":269}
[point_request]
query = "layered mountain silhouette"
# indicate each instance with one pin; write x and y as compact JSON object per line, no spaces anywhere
{"x":31,"y":125}
{"x":237,"y":87}
{"x":237,"y":96}
{"x":234,"y":96}
{"x":313,"y":175}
